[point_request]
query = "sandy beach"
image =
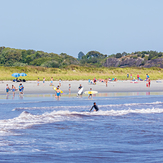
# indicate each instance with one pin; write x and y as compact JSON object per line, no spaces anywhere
{"x":30,"y":87}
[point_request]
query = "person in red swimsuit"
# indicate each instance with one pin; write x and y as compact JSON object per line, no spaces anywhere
{"x":149,"y":82}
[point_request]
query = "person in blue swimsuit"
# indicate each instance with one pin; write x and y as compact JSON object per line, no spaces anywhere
{"x":21,"y":88}
{"x":58,"y":93}
{"x":51,"y":82}
{"x":7,"y":89}
{"x":13,"y":90}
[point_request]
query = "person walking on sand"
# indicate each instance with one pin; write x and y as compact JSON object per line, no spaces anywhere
{"x":51,"y":82}
{"x":69,"y":88}
{"x":149,"y":82}
{"x":43,"y":81}
{"x":59,"y":82}
{"x":106,"y":80}
{"x":94,"y":80}
{"x":95,"y":107}
{"x":38,"y":82}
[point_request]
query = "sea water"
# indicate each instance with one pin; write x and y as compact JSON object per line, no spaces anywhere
{"x":39,"y":128}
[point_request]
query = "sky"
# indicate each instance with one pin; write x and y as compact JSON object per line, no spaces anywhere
{"x":71,"y":26}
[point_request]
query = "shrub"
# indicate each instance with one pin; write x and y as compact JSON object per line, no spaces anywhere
{"x":135,"y":57}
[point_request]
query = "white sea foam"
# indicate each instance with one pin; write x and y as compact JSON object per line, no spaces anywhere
{"x":27,"y":120}
{"x":85,"y":107}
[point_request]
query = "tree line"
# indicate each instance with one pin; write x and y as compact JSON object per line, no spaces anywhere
{"x":18,"y":57}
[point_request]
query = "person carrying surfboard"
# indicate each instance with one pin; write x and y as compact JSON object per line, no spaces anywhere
{"x":80,"y":92}
{"x":95,"y":107}
{"x":90,"y":93}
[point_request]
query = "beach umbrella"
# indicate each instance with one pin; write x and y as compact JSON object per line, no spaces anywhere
{"x":23,"y":74}
{"x":16,"y":75}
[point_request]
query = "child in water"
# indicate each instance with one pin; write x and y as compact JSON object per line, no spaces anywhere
{"x":7,"y":89}
{"x":58,"y":93}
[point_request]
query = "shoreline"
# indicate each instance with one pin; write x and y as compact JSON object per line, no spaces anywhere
{"x":30,"y":87}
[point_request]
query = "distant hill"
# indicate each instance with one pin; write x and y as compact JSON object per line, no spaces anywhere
{"x":17,"y":57}
{"x":137,"y":59}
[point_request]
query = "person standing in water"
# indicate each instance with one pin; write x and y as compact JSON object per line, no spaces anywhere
{"x":95,"y":107}
{"x":21,"y":88}
{"x":13,"y":90}
{"x":7,"y":89}
{"x":58,"y":93}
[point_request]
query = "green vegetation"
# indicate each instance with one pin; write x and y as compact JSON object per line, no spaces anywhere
{"x":16,"y":57}
{"x":74,"y":72}
{"x":39,"y":64}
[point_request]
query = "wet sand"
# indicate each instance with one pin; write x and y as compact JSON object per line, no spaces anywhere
{"x":30,"y":87}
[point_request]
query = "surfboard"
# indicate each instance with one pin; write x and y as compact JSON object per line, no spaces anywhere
{"x":90,"y":92}
{"x":80,"y":91}
{"x":56,"y":89}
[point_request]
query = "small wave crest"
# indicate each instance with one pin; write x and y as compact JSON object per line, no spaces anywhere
{"x":85,"y":107}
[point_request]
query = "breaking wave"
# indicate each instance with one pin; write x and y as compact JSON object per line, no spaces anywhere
{"x":27,"y":120}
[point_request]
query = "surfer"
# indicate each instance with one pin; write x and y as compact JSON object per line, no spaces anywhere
{"x":80,"y":92}
{"x":95,"y":107}
{"x":90,"y":95}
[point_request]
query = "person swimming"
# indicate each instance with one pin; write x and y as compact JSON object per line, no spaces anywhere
{"x":95,"y":107}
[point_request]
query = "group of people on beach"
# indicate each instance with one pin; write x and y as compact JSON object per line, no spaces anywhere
{"x":14,"y":89}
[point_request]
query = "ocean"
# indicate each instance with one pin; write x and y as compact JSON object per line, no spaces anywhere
{"x":38,"y":128}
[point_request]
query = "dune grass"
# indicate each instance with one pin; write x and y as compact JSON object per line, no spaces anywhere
{"x":79,"y":73}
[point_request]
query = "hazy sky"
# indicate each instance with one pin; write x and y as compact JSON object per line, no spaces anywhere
{"x":71,"y":26}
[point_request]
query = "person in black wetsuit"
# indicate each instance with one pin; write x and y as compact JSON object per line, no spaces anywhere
{"x":95,"y":107}
{"x":80,"y":87}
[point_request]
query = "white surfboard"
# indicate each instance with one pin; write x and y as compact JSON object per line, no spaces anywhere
{"x":80,"y":91}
